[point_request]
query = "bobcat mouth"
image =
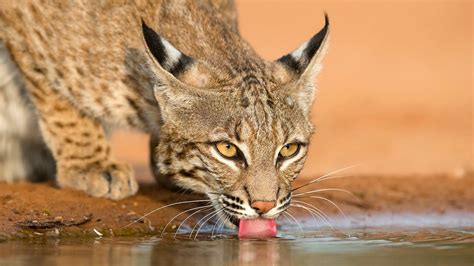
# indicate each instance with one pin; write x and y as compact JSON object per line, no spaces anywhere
{"x":258,"y":228}
{"x":235,"y":210}
{"x":235,"y":221}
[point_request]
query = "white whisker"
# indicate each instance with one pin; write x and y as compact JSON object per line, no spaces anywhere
{"x":176,"y":216}
{"x":328,"y":200}
{"x":216,"y":225}
{"x":192,"y":214}
{"x":324,"y":189}
{"x":313,"y":207}
{"x":226,"y":219}
{"x":318,"y":211}
{"x":204,"y":217}
{"x":310,"y":212}
{"x":313,"y":213}
{"x":325,"y":176}
{"x":160,"y":208}
{"x":294,"y":219}
{"x":334,"y":177}
{"x":203,"y":223}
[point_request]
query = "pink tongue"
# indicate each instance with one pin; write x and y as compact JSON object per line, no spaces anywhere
{"x":257,"y":228}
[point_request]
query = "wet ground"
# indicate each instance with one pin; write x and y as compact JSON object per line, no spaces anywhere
{"x":388,"y":221}
{"x":342,"y":247}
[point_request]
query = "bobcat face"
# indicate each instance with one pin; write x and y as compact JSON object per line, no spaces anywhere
{"x":242,"y":137}
{"x":237,"y":149}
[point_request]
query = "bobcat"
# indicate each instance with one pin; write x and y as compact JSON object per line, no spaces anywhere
{"x":222,"y":121}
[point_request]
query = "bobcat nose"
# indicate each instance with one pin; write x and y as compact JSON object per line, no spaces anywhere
{"x":262,"y":207}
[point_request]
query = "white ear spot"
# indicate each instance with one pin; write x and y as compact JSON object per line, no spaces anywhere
{"x":299,"y":52}
{"x":172,"y":53}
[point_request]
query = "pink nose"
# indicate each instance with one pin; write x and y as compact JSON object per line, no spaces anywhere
{"x":262,"y":207}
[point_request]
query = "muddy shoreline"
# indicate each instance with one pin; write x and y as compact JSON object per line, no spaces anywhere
{"x":42,"y":210}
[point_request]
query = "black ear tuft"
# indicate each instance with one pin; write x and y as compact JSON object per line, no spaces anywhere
{"x":153,"y":41}
{"x":170,"y":58}
{"x":299,"y":59}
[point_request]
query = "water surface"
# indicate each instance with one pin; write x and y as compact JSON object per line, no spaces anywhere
{"x":347,"y":247}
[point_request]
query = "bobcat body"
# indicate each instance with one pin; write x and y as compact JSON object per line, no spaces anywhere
{"x":222,"y":121}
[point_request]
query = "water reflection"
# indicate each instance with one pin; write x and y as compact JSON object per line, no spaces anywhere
{"x":445,"y":247}
{"x":267,"y":252}
{"x":220,"y":252}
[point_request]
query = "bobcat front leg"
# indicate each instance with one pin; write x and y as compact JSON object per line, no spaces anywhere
{"x":80,"y":147}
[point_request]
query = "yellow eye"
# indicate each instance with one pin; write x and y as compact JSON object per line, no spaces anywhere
{"x":289,"y":150}
{"x":227,"y":149}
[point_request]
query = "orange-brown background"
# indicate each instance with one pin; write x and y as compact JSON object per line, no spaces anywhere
{"x":395,"y":93}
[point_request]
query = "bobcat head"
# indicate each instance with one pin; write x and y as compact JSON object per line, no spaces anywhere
{"x":240,"y":136}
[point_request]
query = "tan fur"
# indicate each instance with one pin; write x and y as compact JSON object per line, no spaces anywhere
{"x":87,"y":66}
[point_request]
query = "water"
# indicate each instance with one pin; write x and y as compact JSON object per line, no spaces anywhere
{"x":347,"y":247}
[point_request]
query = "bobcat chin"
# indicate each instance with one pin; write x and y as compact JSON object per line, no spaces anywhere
{"x":222,"y":120}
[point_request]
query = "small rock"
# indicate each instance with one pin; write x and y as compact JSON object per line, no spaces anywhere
{"x":97,"y":232}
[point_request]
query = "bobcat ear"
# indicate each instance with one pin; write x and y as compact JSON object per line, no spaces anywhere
{"x":173,"y":66}
{"x":165,"y":54}
{"x":179,"y":77}
{"x":301,"y":66}
{"x":305,"y":61}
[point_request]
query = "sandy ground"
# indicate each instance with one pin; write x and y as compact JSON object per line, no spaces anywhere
{"x":37,"y":210}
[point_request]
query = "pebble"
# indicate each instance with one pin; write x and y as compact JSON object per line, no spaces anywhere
{"x":97,"y":232}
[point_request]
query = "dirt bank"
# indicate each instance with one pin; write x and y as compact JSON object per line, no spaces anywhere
{"x":35,"y":210}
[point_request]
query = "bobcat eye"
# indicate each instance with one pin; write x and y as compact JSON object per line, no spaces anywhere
{"x":289,"y":150}
{"x":227,"y":149}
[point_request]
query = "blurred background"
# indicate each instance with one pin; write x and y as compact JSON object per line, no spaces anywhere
{"x":395,"y":94}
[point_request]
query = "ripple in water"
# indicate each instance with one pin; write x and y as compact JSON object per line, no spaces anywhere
{"x":381,"y":246}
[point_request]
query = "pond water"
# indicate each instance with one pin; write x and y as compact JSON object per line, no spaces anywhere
{"x":341,"y":247}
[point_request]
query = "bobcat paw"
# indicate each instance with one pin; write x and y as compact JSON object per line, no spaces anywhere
{"x":114,"y":182}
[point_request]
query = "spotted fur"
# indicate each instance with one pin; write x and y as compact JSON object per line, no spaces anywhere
{"x":178,"y":70}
